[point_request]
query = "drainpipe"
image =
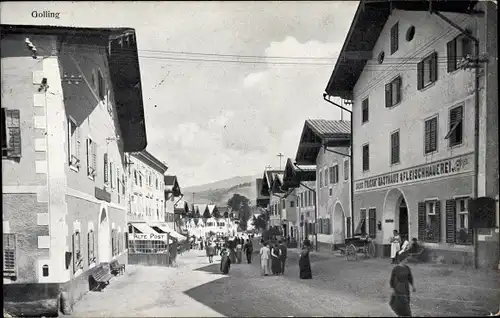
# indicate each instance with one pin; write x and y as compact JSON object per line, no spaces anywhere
{"x":476,"y":114}
{"x":351,"y":182}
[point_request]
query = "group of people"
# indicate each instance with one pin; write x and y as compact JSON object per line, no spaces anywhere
{"x":273,"y":258}
{"x":400,"y":248}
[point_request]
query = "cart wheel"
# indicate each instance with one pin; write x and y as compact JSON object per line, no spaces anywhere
{"x":370,"y":249}
{"x":351,"y":252}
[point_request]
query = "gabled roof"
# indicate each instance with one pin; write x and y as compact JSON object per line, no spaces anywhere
{"x":295,"y":174}
{"x":369,"y":20}
{"x":151,"y":161}
{"x":267,"y":181}
{"x":277,"y":183}
{"x":172,"y":185}
{"x":318,"y":133}
{"x":123,"y":62}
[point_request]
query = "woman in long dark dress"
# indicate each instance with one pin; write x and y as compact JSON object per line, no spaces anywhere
{"x":400,"y":281}
{"x":275,"y":260}
{"x":225,"y":262}
{"x":304,"y":262}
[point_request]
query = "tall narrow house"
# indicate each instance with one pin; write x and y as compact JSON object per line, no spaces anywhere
{"x":71,"y":108}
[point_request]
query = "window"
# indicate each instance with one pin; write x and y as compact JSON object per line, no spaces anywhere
{"x":429,"y":221}
{"x":457,"y":50}
{"x":346,"y":169}
{"x":395,"y":38}
{"x":330,"y":192}
{"x":292,"y":204}
{"x":114,"y":242}
{"x":123,"y":184}
{"x":118,"y":180}
{"x":326,"y":177}
{"x":111,"y":175}
{"x":431,"y":135}
{"x":366,"y":157}
{"x":361,"y":228}
{"x":156,"y":183}
{"x":372,"y":222}
{"x":311,"y":197}
{"x":9,"y":255}
{"x":393,"y":92}
{"x":11,"y":133}
{"x":320,"y":179}
{"x":77,"y":252}
{"x":330,"y":172}
{"x":283,"y":204}
{"x":335,"y":174}
{"x":106,"y":168}
{"x":395,"y":148}
{"x":140,"y":179}
{"x":91,"y":159}
{"x":364,"y":111}
{"x":101,"y":86}
{"x":455,"y":134}
{"x":462,"y":214}
{"x":91,"y":247}
{"x":427,"y":71}
{"x":73,"y":144}
{"x":301,"y":199}
{"x":348,"y":226}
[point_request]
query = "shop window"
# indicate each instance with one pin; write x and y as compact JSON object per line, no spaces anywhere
{"x":77,"y":252}
{"x":91,"y":159}
{"x":393,"y":92}
{"x":395,"y":148}
{"x":366,"y":157}
{"x":455,"y":134}
{"x":431,"y":127}
{"x":9,"y":255}
{"x":427,"y":71}
{"x":73,"y":144}
{"x":457,"y":50}
{"x":364,"y":111}
{"x":11,"y":133}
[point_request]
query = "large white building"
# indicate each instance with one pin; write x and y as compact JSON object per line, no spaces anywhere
{"x":414,"y":119}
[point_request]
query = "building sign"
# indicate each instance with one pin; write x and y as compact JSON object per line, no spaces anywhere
{"x":433,"y":170}
{"x":147,"y":237}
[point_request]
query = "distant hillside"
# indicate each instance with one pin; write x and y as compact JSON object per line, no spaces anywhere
{"x":219,"y":192}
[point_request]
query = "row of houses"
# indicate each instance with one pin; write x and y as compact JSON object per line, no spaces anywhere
{"x":76,"y":178}
{"x":419,"y":79}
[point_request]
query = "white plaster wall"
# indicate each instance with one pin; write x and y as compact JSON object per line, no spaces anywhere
{"x":431,"y":34}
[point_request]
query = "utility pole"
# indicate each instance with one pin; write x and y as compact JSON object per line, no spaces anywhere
{"x":281,"y":156}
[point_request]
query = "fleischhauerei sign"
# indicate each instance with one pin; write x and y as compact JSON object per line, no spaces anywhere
{"x":428,"y":171}
{"x":147,"y":237}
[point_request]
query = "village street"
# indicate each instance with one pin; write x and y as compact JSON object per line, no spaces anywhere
{"x":338,"y":288}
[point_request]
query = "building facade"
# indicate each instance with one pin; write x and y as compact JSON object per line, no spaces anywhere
{"x":324,"y":144}
{"x":66,"y":127}
{"x":147,"y":188}
{"x":414,"y":141}
{"x":173,"y":196}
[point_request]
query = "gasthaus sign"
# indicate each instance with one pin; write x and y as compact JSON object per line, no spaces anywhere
{"x":147,"y":237}
{"x":432,"y":170}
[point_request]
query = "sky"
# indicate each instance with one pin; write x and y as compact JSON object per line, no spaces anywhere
{"x":209,"y":120}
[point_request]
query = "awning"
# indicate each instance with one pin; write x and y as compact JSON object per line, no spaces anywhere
{"x":143,"y":228}
{"x":165,"y":228}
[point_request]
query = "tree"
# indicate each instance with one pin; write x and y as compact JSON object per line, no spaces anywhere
{"x":239,"y":203}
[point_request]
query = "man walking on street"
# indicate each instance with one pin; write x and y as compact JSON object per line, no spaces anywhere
{"x":248,"y":251}
{"x":265,"y":255}
{"x":283,"y":256}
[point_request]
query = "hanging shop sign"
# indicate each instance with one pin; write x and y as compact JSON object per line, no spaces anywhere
{"x":147,"y":237}
{"x":435,"y":170}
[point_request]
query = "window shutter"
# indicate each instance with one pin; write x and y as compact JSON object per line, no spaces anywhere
{"x":399,"y":85}
{"x":372,"y":222}
{"x":388,"y":95}
{"x":332,"y":175}
{"x":9,"y":255}
{"x":14,"y":126}
{"x":320,"y":226}
{"x":437,"y":229}
{"x":123,"y":184}
{"x":94,"y":158}
{"x":450,"y":221}
{"x":126,"y":240}
{"x":421,"y":221}
{"x":73,"y":242}
{"x":451,"y":51}
{"x":420,"y":75}
{"x":78,"y":139}
{"x":88,"y":156}
{"x":106,"y":168}
{"x":433,"y":134}
{"x":434,"y":67}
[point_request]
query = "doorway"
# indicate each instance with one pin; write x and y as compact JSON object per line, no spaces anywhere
{"x":104,"y":238}
{"x":403,"y":219}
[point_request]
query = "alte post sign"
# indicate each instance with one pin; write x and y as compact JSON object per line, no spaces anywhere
{"x":147,"y":237}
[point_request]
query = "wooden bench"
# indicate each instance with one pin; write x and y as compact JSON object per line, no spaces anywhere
{"x":100,"y":278}
{"x":116,"y":268}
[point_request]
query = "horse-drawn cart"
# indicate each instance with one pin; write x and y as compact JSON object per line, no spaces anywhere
{"x":358,"y":244}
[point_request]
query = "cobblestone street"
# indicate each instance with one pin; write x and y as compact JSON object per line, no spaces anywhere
{"x":338,"y":288}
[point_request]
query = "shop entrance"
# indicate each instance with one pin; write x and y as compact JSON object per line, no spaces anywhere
{"x":403,"y":219}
